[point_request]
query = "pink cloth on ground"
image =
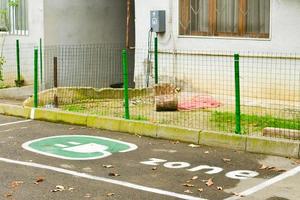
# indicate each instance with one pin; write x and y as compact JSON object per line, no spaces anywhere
{"x":198,"y":102}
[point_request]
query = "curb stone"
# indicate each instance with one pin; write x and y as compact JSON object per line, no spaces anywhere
{"x":270,"y":146}
{"x":210,"y":138}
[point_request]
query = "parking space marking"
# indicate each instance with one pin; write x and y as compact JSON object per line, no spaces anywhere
{"x":17,"y":122}
{"x":102,"y":179}
{"x":267,"y":183}
{"x":78,"y":147}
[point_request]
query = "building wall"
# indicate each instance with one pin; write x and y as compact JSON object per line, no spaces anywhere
{"x":87,"y":22}
{"x":260,"y":77}
{"x":84,"y":22}
{"x":27,"y":43}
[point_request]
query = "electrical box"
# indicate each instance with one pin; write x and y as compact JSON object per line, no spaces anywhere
{"x":158,"y":21}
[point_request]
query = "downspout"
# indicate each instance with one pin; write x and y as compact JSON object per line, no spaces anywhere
{"x":173,"y":41}
{"x":128,"y":24}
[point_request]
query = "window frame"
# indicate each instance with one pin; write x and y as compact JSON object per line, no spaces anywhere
{"x":12,"y":28}
{"x":212,"y":25}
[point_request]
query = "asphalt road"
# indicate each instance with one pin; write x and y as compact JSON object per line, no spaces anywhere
{"x":155,"y":169}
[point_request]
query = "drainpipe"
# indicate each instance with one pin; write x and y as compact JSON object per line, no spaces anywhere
{"x":128,"y":23}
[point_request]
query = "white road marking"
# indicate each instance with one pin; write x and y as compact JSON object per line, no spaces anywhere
{"x":61,"y":145}
{"x":267,"y":183}
{"x":97,"y":178}
{"x":17,"y":122}
{"x":74,"y":143}
{"x":32,"y":113}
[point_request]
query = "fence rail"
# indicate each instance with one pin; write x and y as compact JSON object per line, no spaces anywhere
{"x":257,"y":94}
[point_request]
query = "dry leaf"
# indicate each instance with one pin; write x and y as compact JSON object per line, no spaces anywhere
{"x":113,"y":174}
{"x":188,"y":191}
{"x":195,"y":177}
{"x":87,"y":195}
{"x":154,"y":168}
{"x":263,"y":167}
{"x":296,"y":161}
{"x":206,"y":152}
{"x":58,"y":188}
{"x":108,"y":166}
{"x":237,"y":194}
{"x":278,"y":170}
{"x":200,"y":190}
{"x":226,"y":160}
{"x":39,"y":179}
{"x":71,"y":189}
{"x":194,"y":146}
{"x":188,"y":185}
{"x":220,"y":188}
{"x":16,"y":184}
{"x":110,"y":194}
{"x":8,"y":195}
{"x":209,"y":182}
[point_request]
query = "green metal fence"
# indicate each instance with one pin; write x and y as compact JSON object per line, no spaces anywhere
{"x":243,"y":93}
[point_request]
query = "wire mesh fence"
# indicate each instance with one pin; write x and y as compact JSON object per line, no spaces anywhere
{"x":194,"y":90}
{"x":16,"y":65}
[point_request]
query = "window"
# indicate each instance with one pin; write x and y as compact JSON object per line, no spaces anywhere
{"x":238,"y":18}
{"x":14,"y":17}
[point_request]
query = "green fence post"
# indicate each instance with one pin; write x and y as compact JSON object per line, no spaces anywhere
{"x":125,"y":79}
{"x":36,"y":81}
{"x":41,"y":61}
{"x":237,"y":94}
{"x":18,"y":81}
{"x":156,"y":59}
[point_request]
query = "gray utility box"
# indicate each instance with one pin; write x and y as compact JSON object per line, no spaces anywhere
{"x":158,"y":21}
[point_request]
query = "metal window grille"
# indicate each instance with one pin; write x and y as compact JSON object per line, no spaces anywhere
{"x":243,"y":18}
{"x":14,"y":17}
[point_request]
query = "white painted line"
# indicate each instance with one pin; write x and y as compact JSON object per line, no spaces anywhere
{"x":267,"y":183}
{"x":61,"y":145}
{"x":102,"y":179}
{"x":74,"y":143}
{"x":17,"y":122}
{"x":32,"y":113}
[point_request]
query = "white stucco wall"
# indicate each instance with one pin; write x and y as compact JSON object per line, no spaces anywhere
{"x":260,"y":78}
{"x":84,"y":21}
{"x":95,"y":22}
{"x":27,"y":43}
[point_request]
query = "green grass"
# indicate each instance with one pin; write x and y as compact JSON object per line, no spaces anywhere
{"x":225,"y":121}
{"x":2,"y":85}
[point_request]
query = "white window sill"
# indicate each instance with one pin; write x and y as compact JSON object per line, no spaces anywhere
{"x":224,"y":38}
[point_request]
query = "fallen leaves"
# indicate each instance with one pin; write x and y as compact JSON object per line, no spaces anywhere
{"x":39,"y":179}
{"x":209,"y":182}
{"x":188,"y":192}
{"x":88,"y":195}
{"x":206,"y":152}
{"x":226,"y":160}
{"x":107,"y":166}
{"x":58,"y":188}
{"x":220,"y":188}
{"x":194,"y":146}
{"x":194,"y":178}
{"x":154,"y":168}
{"x":237,"y":194}
{"x":113,"y":174}
{"x":110,"y":194}
{"x":15,"y":184}
{"x":188,"y":185}
{"x":8,"y":195}
{"x":271,"y":168}
{"x":200,"y":190}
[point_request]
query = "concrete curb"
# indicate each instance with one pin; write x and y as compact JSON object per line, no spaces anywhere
{"x":270,"y":146}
